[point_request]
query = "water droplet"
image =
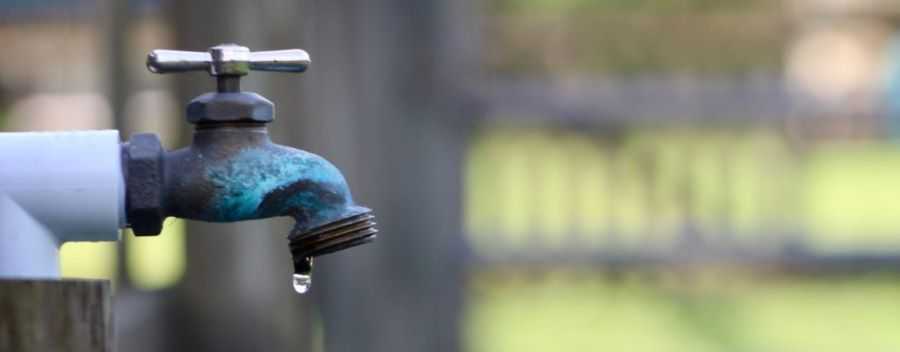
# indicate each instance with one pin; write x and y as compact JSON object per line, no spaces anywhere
{"x":302,"y":282}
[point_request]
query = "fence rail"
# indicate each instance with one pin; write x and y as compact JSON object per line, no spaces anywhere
{"x":588,"y":108}
{"x":660,"y":98}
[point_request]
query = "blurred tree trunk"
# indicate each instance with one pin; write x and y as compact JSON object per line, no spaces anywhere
{"x":237,"y":293}
{"x":382,"y":100}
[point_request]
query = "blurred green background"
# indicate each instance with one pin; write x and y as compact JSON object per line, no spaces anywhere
{"x":844,"y":202}
{"x":637,"y":175}
{"x":530,"y":188}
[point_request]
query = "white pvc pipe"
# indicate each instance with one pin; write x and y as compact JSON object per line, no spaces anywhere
{"x":70,"y":186}
{"x":27,"y":248}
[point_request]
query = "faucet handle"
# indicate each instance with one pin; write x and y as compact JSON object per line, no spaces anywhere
{"x":227,"y":60}
{"x":168,"y":61}
{"x":287,"y":60}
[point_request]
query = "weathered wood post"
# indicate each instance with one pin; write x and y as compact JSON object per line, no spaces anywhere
{"x":55,"y":315}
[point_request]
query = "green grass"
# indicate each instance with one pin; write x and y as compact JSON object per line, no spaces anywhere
{"x":579,"y":311}
{"x":528,"y":188}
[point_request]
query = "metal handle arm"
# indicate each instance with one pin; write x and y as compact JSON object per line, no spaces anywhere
{"x":227,"y":60}
{"x":289,"y":60}
{"x":168,"y":61}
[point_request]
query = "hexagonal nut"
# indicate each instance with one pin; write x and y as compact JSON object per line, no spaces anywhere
{"x":144,"y":206}
{"x":230,"y":107}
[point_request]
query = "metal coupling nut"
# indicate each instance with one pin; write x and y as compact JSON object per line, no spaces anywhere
{"x":143,"y":166}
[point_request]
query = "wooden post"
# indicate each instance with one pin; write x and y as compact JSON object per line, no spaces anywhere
{"x":55,"y":315}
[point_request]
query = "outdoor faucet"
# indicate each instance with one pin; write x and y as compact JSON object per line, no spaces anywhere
{"x":232,"y":171}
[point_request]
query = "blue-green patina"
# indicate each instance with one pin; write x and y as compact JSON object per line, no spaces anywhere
{"x":244,"y":181}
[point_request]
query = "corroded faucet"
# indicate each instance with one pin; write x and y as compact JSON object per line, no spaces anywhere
{"x":232,"y":171}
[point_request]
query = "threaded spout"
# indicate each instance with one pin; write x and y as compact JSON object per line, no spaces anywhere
{"x":341,"y":234}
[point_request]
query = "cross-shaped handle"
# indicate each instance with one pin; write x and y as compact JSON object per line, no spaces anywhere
{"x":227,"y":60}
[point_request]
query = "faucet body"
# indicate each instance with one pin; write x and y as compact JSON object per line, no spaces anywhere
{"x":232,"y":171}
{"x":235,"y":173}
